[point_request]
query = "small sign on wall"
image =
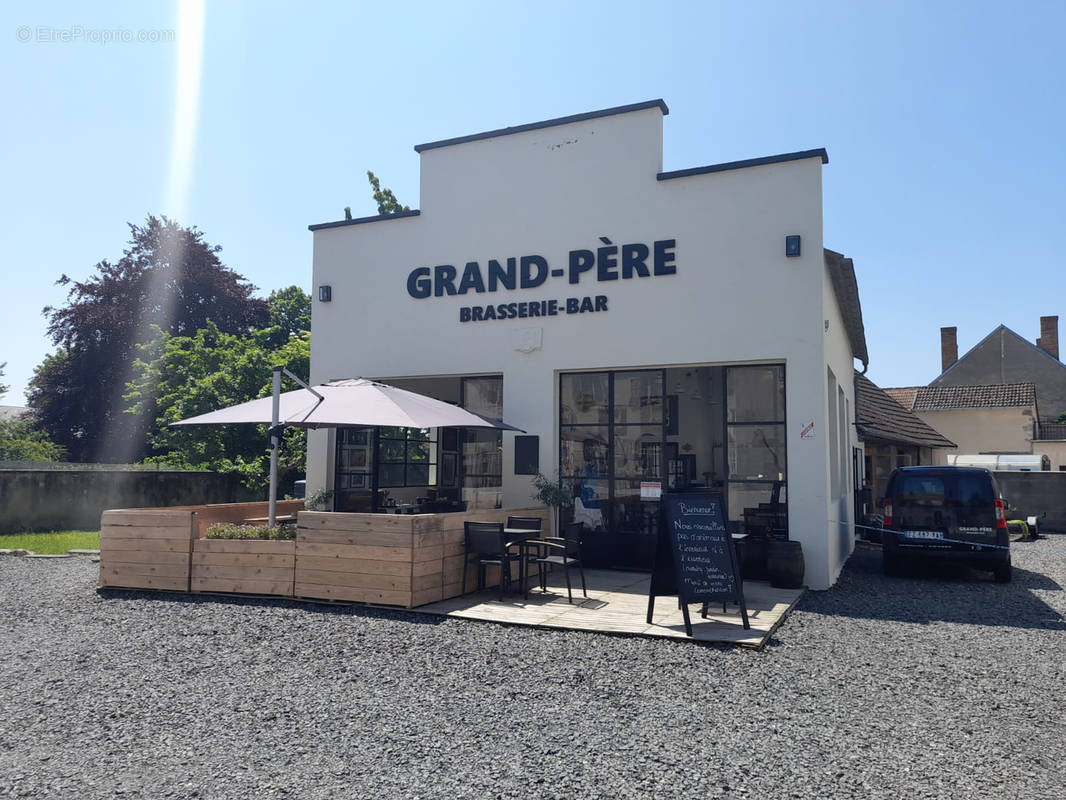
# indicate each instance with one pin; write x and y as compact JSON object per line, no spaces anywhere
{"x":807,"y":431}
{"x":651,"y":490}
{"x":526,"y":455}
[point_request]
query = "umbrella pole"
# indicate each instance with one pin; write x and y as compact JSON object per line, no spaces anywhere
{"x":274,"y":443}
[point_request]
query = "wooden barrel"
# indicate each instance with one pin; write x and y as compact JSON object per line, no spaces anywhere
{"x":784,"y":563}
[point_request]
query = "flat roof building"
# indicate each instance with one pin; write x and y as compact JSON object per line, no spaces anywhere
{"x":651,"y":331}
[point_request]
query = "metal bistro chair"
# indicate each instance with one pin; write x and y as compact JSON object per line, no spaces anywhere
{"x":563,"y":551}
{"x":528,"y":548}
{"x":487,"y":542}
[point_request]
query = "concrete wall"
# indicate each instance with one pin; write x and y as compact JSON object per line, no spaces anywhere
{"x":984,"y":430}
{"x":1055,"y":450}
{"x":73,"y":498}
{"x":1033,"y":493}
{"x":735,"y":297}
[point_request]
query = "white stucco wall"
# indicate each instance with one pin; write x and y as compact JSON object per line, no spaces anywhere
{"x":840,"y":505}
{"x":735,"y":297}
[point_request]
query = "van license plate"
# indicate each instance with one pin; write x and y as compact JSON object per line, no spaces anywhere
{"x":923,"y":534}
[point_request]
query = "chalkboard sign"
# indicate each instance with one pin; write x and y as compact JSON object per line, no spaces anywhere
{"x":695,"y":558}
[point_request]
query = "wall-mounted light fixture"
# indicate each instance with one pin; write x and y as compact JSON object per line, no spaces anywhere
{"x":325,"y":293}
{"x":792,"y":246}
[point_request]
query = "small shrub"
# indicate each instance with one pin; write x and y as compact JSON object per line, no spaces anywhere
{"x":231,"y":530}
{"x":322,"y":500}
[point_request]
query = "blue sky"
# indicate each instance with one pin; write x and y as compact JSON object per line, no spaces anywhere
{"x":945,"y":125}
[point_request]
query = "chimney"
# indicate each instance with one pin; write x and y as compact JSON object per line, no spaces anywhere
{"x":1049,"y":336}
{"x":949,"y":347}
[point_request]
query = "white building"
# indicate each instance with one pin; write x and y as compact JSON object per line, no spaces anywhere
{"x":646,"y":327}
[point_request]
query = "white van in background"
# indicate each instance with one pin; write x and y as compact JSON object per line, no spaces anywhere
{"x":1021,"y":462}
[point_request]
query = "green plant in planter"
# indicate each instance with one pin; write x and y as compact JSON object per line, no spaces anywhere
{"x":554,"y":493}
{"x":230,"y":530}
{"x":322,"y":500}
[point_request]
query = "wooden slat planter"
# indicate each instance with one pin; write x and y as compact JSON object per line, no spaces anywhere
{"x":249,"y":566}
{"x":393,"y":559}
{"x":390,"y":559}
{"x":146,"y":549}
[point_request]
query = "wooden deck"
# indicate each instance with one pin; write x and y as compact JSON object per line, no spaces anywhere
{"x":618,"y":603}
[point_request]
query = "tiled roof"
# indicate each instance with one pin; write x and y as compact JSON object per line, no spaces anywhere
{"x":946,"y":398}
{"x":904,"y":395}
{"x":879,"y":417}
{"x":846,"y":288}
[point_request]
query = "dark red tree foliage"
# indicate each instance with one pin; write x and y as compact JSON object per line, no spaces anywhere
{"x":169,"y":277}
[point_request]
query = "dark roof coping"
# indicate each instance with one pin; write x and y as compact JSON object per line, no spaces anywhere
{"x":846,"y":289}
{"x":548,"y":123}
{"x":360,"y":220}
{"x":819,"y":152}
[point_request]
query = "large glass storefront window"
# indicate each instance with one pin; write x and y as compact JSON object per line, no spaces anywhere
{"x":481,"y":449}
{"x":687,"y":429}
{"x":407,"y":457}
{"x":379,"y":468}
{"x":755,"y":434}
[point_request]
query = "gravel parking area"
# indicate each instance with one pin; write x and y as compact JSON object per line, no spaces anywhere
{"x":930,"y":686}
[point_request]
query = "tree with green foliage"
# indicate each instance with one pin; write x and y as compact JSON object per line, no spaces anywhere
{"x":386,"y":200}
{"x":169,"y":276}
{"x":177,"y":377}
{"x":20,"y":440}
{"x":290,"y":311}
{"x":3,"y":386}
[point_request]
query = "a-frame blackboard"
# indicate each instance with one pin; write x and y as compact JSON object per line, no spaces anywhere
{"x":695,"y":558}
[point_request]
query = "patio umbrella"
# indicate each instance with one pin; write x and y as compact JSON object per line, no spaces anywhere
{"x":341,"y":403}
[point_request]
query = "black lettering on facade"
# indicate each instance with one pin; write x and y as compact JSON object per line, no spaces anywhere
{"x":443,"y":280}
{"x":419,"y":285}
{"x":633,"y":261}
{"x":501,"y":276}
{"x":664,"y":257}
{"x":529,"y":278}
{"x":472,"y":279}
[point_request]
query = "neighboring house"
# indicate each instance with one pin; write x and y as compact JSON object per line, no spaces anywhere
{"x":892,"y":435}
{"x":999,"y":418}
{"x":1003,"y":357}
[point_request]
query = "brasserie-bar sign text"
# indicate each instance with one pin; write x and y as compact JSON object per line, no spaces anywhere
{"x":610,"y":262}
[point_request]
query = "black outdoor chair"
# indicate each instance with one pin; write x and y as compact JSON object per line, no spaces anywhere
{"x":563,"y":551}
{"x":525,"y":523}
{"x":528,"y":548}
{"x":487,"y":542}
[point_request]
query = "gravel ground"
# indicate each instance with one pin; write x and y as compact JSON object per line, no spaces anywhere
{"x":930,"y":686}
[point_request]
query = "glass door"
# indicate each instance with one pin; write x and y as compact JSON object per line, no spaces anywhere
{"x":611,"y":439}
{"x":354,"y":484}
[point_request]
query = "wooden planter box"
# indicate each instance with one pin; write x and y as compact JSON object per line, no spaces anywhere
{"x":390,"y":559}
{"x":248,"y":566}
{"x":152,"y":548}
{"x":393,"y":559}
{"x":146,"y":549}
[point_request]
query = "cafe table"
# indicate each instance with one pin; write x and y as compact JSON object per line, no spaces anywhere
{"x":526,"y":539}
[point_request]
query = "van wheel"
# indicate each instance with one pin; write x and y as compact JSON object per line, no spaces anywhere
{"x":1003,"y":572}
{"x":892,"y":565}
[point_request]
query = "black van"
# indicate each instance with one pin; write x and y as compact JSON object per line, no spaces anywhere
{"x":948,"y":513}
